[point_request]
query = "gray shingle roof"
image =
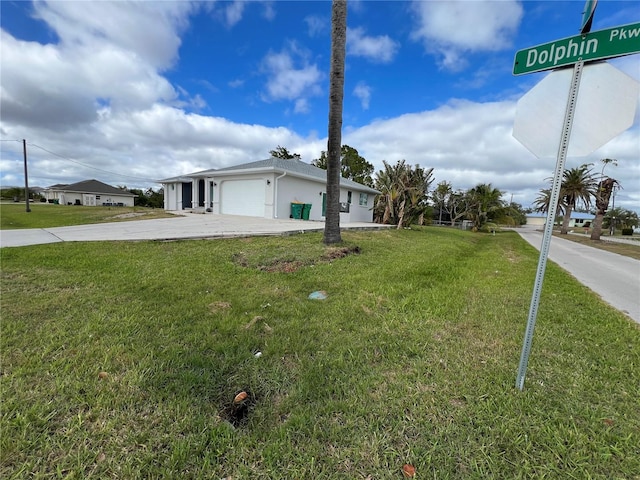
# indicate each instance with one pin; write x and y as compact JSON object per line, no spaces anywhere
{"x":92,"y":186}
{"x":293,"y":167}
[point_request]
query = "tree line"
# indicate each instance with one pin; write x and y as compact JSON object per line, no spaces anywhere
{"x":405,"y":197}
{"x":582,"y":189}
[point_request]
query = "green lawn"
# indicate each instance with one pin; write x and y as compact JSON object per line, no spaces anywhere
{"x":45,"y":215}
{"x":122,"y":360}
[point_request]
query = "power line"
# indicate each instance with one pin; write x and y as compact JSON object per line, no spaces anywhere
{"x":89,"y":166}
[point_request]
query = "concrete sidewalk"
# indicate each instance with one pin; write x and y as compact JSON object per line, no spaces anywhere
{"x":187,"y":226}
{"x":615,"y":278}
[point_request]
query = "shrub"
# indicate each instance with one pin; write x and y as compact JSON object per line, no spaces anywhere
{"x":489,"y":227}
{"x":627,"y":231}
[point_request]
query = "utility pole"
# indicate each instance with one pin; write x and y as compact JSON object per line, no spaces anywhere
{"x":26,"y":177}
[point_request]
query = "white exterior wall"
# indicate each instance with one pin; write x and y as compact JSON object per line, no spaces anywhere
{"x":127,"y":201}
{"x":88,"y":199}
{"x":299,"y":190}
{"x":357,"y":212}
{"x":172,"y":196}
{"x":536,"y":221}
{"x":293,"y":189}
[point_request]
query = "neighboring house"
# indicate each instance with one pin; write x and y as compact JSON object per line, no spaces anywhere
{"x":88,"y":192}
{"x":578,"y":219}
{"x":266,"y":189}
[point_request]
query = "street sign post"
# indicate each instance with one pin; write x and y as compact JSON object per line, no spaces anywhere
{"x":609,"y":43}
{"x":599,"y":45}
{"x":587,"y":15}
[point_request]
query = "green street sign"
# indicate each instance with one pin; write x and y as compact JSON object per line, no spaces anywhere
{"x":608,"y":43}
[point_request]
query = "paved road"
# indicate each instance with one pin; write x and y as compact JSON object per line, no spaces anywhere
{"x":614,"y":277}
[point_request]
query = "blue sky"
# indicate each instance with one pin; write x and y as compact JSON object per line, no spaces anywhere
{"x":129,"y":93}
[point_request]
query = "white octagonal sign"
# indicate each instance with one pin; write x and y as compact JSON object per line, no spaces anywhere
{"x":605,"y":107}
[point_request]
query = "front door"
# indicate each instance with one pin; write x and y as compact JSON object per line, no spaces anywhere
{"x":201,"y":192}
{"x":186,"y":195}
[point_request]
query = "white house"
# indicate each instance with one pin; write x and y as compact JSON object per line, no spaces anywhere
{"x":267,"y":188}
{"x":88,"y":192}
{"x":577,"y":220}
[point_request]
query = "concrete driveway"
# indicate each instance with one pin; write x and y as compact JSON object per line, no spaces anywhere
{"x":615,"y":278}
{"x":187,"y":226}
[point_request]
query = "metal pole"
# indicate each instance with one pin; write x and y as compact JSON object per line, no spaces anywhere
{"x":26,"y":177}
{"x":548,"y":228}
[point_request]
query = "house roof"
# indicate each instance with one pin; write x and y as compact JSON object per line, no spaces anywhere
{"x":91,"y":186}
{"x":574,"y":215}
{"x":178,"y":179}
{"x":292,"y":167}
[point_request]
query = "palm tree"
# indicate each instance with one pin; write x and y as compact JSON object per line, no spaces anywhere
{"x":620,"y":217}
{"x":606,"y":187}
{"x":542,"y":201}
{"x":383,"y":210}
{"x":334,"y":142}
{"x":403,"y":199}
{"x":578,"y":185}
{"x":603,"y":194}
{"x":484,"y":200}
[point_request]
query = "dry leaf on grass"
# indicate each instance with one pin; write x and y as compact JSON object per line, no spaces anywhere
{"x":239,"y":398}
{"x":255,"y":320}
{"x":409,"y":471}
{"x":219,"y":306}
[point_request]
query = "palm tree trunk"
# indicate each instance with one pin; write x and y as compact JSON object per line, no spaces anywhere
{"x":603,"y":195}
{"x":336,"y":94}
{"x":565,"y":221}
{"x":596,"y":226}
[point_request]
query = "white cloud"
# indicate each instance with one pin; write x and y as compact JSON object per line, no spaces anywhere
{"x":466,"y":142}
{"x":363,"y":92}
{"x":451,"y":28}
{"x":269,"y":12}
{"x":315,"y":25}
{"x":37,"y":91}
{"x":301,"y":106}
{"x":290,"y":76}
{"x":380,"y":49}
{"x":469,"y":143}
{"x":233,"y":12}
{"x":150,"y":30}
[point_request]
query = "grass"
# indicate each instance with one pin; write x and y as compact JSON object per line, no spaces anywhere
{"x":45,"y":215}
{"x":626,"y":249}
{"x":122,"y":360}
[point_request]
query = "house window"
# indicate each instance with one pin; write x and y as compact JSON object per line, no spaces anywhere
{"x":348,"y":197}
{"x":97,"y":197}
{"x":364,"y":199}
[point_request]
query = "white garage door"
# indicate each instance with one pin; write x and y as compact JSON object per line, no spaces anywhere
{"x":242,"y":197}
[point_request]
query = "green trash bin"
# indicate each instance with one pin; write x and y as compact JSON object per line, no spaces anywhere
{"x":306,"y":210}
{"x":296,"y":210}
